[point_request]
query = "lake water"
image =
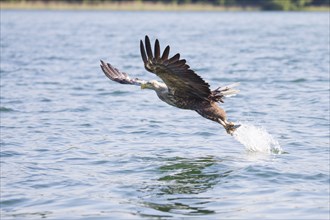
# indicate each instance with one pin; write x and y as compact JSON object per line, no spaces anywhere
{"x":75,"y":145}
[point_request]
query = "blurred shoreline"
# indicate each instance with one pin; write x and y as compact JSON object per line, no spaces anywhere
{"x":133,"y":6}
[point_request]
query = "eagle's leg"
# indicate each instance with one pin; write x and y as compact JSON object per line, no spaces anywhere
{"x":215,"y":113}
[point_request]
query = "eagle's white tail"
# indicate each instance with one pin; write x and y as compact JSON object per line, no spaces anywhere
{"x":228,"y":91}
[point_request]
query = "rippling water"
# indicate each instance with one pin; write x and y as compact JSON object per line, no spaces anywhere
{"x":76,"y":146}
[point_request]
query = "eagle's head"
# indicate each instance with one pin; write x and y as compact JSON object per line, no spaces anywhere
{"x":154,"y":85}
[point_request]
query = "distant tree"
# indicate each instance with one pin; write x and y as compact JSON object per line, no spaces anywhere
{"x":321,"y":2}
{"x":298,"y":4}
{"x":281,"y":5}
{"x":220,"y":2}
{"x":225,"y":2}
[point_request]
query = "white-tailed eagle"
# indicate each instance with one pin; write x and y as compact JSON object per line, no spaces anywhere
{"x":180,"y":87}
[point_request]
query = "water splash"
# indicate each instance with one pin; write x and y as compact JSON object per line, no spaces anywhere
{"x":257,"y":139}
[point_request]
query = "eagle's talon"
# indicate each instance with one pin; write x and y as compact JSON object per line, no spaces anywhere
{"x":231,"y":128}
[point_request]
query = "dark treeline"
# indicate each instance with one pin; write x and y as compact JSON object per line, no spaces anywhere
{"x":263,"y":4}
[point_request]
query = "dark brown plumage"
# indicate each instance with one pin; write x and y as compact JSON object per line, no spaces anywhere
{"x":182,"y":87}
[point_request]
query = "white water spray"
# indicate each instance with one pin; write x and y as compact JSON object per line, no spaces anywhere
{"x":257,"y":139}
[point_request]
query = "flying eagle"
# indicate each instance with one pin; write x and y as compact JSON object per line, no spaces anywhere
{"x":180,"y":87}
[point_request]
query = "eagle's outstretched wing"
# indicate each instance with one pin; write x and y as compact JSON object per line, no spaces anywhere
{"x":117,"y":76}
{"x":175,"y":73}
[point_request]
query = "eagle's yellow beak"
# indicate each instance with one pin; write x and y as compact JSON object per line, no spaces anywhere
{"x":143,"y":86}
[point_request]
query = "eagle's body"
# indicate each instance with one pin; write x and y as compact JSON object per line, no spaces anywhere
{"x":181,"y":86}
